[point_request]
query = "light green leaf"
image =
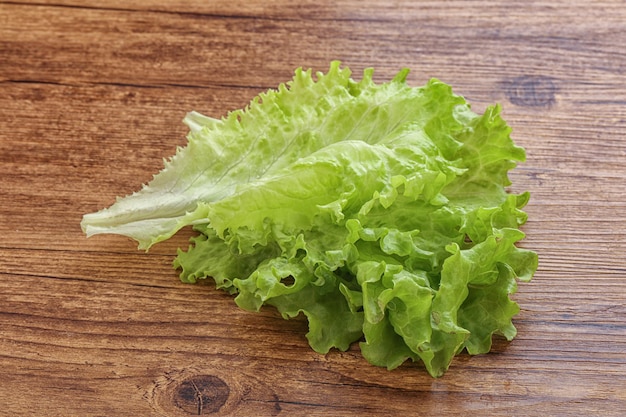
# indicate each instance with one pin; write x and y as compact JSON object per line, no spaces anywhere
{"x":378,"y":211}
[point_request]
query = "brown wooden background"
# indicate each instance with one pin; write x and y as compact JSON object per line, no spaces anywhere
{"x":91,"y":99}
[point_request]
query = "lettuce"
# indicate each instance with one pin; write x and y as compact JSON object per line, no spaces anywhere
{"x":379,"y":211}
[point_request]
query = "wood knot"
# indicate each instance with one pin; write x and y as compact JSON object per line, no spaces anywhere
{"x":201,"y":394}
{"x":211,"y":390}
{"x":531,"y":91}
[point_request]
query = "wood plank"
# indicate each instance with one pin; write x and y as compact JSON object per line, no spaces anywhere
{"x":119,"y":44}
{"x":91,"y":99}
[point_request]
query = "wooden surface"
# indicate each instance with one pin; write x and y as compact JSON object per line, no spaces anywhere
{"x":91,"y":99}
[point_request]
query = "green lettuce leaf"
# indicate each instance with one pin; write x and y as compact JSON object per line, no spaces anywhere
{"x":378,"y":211}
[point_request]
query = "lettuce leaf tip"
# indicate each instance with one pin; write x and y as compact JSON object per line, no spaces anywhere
{"x":379,"y":211}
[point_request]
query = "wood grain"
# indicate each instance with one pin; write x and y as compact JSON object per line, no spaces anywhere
{"x":91,"y":100}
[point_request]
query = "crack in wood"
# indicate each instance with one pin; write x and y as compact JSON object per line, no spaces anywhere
{"x":207,"y":15}
{"x":133,"y":85}
{"x":201,"y":394}
{"x":198,"y":396}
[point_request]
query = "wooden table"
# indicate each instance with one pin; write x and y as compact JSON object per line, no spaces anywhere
{"x":91,"y":99}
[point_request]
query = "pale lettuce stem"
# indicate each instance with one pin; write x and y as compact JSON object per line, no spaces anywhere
{"x":196,"y":121}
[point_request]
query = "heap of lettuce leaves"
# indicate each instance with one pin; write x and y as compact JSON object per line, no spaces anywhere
{"x":379,"y":211}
